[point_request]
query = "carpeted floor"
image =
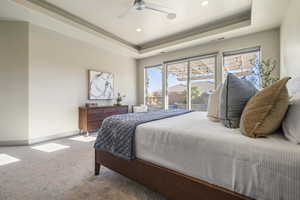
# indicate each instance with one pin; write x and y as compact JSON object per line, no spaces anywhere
{"x":65,"y":174}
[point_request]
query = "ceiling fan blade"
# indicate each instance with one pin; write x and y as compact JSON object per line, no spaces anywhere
{"x":126,"y":12}
{"x":161,"y":9}
{"x":155,"y":9}
{"x":171,"y":15}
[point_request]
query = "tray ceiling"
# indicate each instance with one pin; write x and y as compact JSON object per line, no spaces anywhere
{"x":97,"y":22}
{"x":155,"y":26}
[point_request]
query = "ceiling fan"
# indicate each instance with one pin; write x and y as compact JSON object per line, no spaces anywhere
{"x":141,"y":5}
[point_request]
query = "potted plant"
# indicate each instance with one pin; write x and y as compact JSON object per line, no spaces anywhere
{"x":267,"y":68}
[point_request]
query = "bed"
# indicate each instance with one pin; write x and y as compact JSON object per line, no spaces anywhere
{"x":189,"y":157}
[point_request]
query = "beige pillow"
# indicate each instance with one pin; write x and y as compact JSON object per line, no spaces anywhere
{"x":213,"y":105}
{"x":265,"y":111}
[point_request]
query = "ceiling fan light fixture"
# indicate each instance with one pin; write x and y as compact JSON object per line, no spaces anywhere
{"x":171,"y":15}
{"x":141,"y":5}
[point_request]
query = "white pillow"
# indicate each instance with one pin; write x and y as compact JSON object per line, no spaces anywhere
{"x":141,"y":108}
{"x":293,"y":86}
{"x":214,"y":104}
{"x":291,"y":123}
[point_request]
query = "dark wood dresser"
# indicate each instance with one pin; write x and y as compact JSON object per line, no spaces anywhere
{"x":90,"y":118}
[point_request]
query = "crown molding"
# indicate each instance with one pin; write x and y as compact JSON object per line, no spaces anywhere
{"x":197,"y":31}
{"x":173,"y":42}
{"x":187,"y":41}
{"x":75,"y":21}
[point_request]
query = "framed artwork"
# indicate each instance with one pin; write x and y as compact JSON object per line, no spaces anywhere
{"x":100,"y":85}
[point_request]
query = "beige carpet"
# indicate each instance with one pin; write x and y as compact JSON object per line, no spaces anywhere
{"x":65,"y":174}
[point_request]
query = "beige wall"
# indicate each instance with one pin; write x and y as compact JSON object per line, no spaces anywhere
{"x":44,"y":79}
{"x":290,"y":41}
{"x":13,"y":81}
{"x":58,"y":80}
{"x":268,"y":40}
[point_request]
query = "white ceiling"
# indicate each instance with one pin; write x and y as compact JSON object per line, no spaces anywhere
{"x":96,"y":21}
{"x":190,"y":14}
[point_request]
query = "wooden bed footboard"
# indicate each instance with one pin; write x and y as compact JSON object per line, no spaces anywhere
{"x":172,"y":184}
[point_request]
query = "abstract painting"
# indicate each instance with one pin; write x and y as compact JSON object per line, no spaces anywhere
{"x":100,"y":85}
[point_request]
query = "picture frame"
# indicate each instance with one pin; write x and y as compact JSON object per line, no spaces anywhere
{"x":101,"y":85}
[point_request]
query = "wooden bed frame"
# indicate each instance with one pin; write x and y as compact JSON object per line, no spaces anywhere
{"x":170,"y":183}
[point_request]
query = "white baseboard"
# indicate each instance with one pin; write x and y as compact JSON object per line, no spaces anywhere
{"x":52,"y":137}
{"x":13,"y":143}
{"x":38,"y":140}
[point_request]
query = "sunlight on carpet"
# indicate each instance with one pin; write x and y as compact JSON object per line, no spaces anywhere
{"x":50,"y":147}
{"x":7,"y":159}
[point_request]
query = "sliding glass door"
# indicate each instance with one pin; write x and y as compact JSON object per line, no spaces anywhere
{"x":154,"y":87}
{"x":202,"y":80}
{"x":177,"y":85}
{"x":189,"y":82}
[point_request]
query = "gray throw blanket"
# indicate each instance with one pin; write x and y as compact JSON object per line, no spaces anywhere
{"x":117,"y":134}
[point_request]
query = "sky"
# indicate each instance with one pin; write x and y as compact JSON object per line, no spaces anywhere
{"x":155,"y":79}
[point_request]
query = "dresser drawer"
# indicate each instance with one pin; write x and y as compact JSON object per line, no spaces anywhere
{"x":95,"y":111}
{"x":116,"y":110}
{"x":93,"y":126}
{"x":95,"y":117}
{"x":90,"y":119}
{"x":101,"y":117}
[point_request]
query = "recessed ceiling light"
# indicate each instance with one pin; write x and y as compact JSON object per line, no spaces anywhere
{"x":138,"y":30}
{"x":204,"y":3}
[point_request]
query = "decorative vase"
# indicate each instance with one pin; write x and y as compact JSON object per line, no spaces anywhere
{"x":119,"y":99}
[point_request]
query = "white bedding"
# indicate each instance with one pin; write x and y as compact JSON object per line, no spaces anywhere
{"x":264,"y":169}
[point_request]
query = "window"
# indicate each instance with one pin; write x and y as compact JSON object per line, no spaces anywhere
{"x":244,"y":64}
{"x":202,"y":81}
{"x":177,"y":82}
{"x":187,"y":83}
{"x":154,"y":87}
{"x":190,"y":81}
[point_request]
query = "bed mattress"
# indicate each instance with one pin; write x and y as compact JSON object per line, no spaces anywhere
{"x":264,"y":168}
